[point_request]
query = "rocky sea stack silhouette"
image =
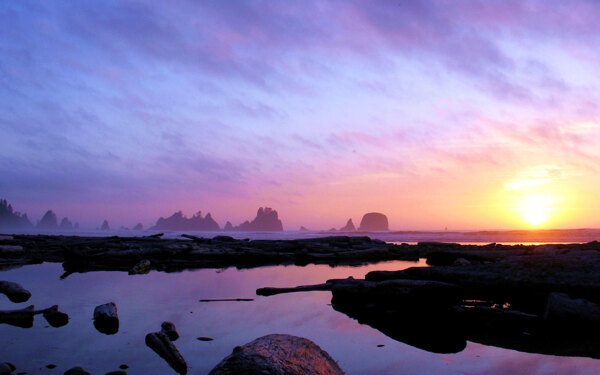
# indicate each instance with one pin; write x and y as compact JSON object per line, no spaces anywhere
{"x":178,"y":221}
{"x":266,"y":219}
{"x":349,"y":227}
{"x":374,"y":221}
{"x":10,"y":219}
{"x":48,"y":222}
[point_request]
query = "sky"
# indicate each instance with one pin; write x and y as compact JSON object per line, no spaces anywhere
{"x":457,"y":114}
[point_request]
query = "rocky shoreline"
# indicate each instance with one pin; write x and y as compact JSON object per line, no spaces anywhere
{"x":539,"y":299}
{"x":143,"y":254}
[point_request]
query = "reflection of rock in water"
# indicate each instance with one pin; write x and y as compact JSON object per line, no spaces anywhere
{"x":19,"y":318}
{"x":55,"y":318}
{"x":278,"y":355}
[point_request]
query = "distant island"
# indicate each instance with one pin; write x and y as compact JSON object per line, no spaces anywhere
{"x":266,"y":219}
{"x":178,"y":221}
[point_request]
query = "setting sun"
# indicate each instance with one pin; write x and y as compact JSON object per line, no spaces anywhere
{"x":536,"y":209}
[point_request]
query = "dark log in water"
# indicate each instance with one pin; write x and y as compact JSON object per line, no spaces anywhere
{"x":160,"y":343}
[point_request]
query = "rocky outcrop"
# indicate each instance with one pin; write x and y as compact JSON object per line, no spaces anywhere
{"x":105,"y":225}
{"x":266,"y":219}
{"x":228,"y":226}
{"x":373,"y":221}
{"x":349,"y":227}
{"x":138,"y":226}
{"x":303,"y":229}
{"x":178,"y":221}
{"x":48,"y":221}
{"x":12,"y":220}
{"x":65,"y":224}
{"x":278,"y":355}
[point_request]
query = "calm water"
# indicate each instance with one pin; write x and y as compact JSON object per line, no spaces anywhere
{"x":144,"y":301}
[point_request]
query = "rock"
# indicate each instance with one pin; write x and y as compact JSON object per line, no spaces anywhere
{"x":55,"y":318}
{"x":266,"y":219}
{"x":11,"y":249}
{"x":118,"y":372}
{"x":105,"y":225}
{"x":51,"y":366}
{"x":15,"y":292}
{"x":123,"y":367}
{"x":561,"y":308}
{"x":373,"y":221}
{"x":349,"y":227}
{"x":160,"y":343}
{"x":228,"y":226}
{"x":12,"y":220}
{"x":178,"y":221}
{"x":138,"y":226}
{"x":106,"y":319}
{"x":141,"y":268}
{"x":76,"y":371}
{"x":65,"y":224}
{"x":303,"y":229}
{"x":461,"y":262}
{"x":169,"y":329}
{"x":7,"y":368}
{"x":48,"y":221}
{"x":204,"y":338}
{"x":278,"y":355}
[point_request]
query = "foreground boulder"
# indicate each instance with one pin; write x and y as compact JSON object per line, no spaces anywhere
{"x":278,"y":355}
{"x":373,"y":221}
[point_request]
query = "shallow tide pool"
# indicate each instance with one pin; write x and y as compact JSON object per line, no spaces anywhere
{"x":144,"y":301}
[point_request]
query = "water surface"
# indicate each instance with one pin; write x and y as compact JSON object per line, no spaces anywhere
{"x":144,"y":301}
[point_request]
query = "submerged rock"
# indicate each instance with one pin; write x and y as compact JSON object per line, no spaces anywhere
{"x":55,"y":318}
{"x":106,"y":319}
{"x":7,"y":368}
{"x":374,"y":221}
{"x":278,"y":355}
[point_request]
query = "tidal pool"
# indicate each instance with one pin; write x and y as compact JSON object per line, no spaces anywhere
{"x":145,"y":301}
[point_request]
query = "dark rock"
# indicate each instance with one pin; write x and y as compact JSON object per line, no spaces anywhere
{"x":160,"y":343}
{"x":141,"y":268}
{"x":105,"y":225}
{"x":48,"y":221}
{"x":303,"y":229}
{"x":374,"y":221}
{"x":169,"y":329}
{"x":118,"y":372}
{"x":50,"y":366}
{"x":278,"y":355}
{"x":349,"y":227}
{"x":178,"y":221}
{"x":138,"y":226}
{"x":204,"y":339}
{"x":7,"y":368}
{"x":55,"y":318}
{"x":266,"y":219}
{"x":76,"y":371}
{"x":224,"y":239}
{"x":123,"y":367}
{"x":228,"y":226}
{"x":65,"y":224}
{"x":15,"y":292}
{"x":106,"y":319}
{"x":76,"y":226}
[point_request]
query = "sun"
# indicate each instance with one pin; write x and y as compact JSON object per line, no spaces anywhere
{"x":536,"y":209}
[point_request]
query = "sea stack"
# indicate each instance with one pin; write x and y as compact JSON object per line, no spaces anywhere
{"x":349,"y":227}
{"x":373,"y":221}
{"x":266,"y":219}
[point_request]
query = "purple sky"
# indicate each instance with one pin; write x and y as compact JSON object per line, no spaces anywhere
{"x":466,"y":114}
